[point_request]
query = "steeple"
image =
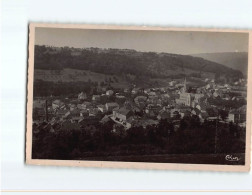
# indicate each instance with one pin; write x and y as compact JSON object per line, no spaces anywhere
{"x":185,"y":85}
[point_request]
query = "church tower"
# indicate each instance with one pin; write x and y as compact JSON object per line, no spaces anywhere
{"x":184,"y":88}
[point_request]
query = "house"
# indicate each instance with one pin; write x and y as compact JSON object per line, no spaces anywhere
{"x":84,"y":105}
{"x":165,"y":96}
{"x":203,"y":115}
{"x":66,"y":115}
{"x":76,"y":119}
{"x":196,"y":111}
{"x":82,"y":96}
{"x":72,"y":107}
{"x":96,"y":97}
{"x":227,"y":85}
{"x":110,"y":106}
{"x":172,"y":83}
{"x":152,"y":108}
{"x":146,"y":91}
{"x":122,"y":114}
{"x":61,"y":113}
{"x":74,"y":113}
{"x":94,"y":112}
{"x":152,"y":93}
{"x":184,"y":113}
{"x":102,"y":108}
{"x":208,"y":86}
{"x":120,"y":97}
{"x":154,"y":100}
{"x":84,"y":113}
{"x":202,"y":105}
{"x":135,"y":91}
{"x":105,"y":119}
{"x":57,"y":104}
{"x":109,"y":92}
{"x":238,"y":115}
{"x":216,"y":94}
{"x":135,"y":109}
{"x":140,"y":100}
{"x":126,"y":90}
{"x":125,"y":123}
{"x":163,"y":114}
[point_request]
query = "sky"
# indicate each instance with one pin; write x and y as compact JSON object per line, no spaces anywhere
{"x":177,"y":42}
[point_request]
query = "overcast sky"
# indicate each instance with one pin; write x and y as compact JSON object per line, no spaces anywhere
{"x":157,"y":41}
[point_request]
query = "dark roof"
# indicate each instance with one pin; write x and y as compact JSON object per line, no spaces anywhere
{"x":123,"y":111}
{"x":62,"y":111}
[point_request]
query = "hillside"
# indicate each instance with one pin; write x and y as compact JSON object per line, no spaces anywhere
{"x":235,"y":60}
{"x":129,"y":62}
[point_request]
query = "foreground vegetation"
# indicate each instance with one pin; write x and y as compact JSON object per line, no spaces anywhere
{"x":192,"y":137}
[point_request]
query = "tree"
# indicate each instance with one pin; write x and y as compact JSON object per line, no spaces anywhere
{"x":223,"y":114}
{"x":183,"y":125}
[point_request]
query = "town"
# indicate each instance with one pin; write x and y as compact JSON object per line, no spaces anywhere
{"x":135,"y":107}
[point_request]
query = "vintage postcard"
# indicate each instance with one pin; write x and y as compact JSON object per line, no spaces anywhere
{"x":139,"y":97}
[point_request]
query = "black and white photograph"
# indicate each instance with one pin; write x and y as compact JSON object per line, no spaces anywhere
{"x":138,"y":95}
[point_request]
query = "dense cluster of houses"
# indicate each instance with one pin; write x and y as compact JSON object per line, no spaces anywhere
{"x":139,"y":107}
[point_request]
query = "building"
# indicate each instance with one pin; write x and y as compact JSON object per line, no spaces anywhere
{"x":140,"y":101}
{"x":82,"y":96}
{"x":110,"y":106}
{"x":122,"y":114}
{"x":164,"y":114}
{"x":151,"y":108}
{"x":238,"y":116}
{"x":84,"y":105}
{"x":184,"y":113}
{"x":96,"y":97}
{"x":126,"y":90}
{"x":105,"y":119}
{"x":184,"y":99}
{"x":72,"y":107}
{"x":61,"y":113}
{"x":135,"y":90}
{"x":123,"y":117}
{"x":84,"y":113}
{"x":94,"y":112}
{"x":172,"y":83}
{"x":109,"y":92}
{"x":57,"y":104}
{"x":74,"y":113}
{"x":102,"y":108}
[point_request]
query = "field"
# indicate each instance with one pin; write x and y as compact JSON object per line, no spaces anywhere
{"x":116,"y":81}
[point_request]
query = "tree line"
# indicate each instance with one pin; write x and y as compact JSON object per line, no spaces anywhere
{"x":191,"y":137}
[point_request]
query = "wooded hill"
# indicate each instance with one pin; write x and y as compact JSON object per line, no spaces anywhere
{"x":117,"y":61}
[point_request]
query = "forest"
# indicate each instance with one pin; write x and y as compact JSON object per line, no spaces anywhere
{"x":116,"y":61}
{"x":192,"y":137}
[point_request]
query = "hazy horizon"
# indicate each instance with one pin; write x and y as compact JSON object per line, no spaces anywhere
{"x":142,"y":51}
{"x":177,"y":42}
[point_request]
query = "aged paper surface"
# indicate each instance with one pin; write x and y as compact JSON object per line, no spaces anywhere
{"x":132,"y":42}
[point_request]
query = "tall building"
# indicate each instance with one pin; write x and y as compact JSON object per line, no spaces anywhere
{"x":184,"y":88}
{"x":184,"y":97}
